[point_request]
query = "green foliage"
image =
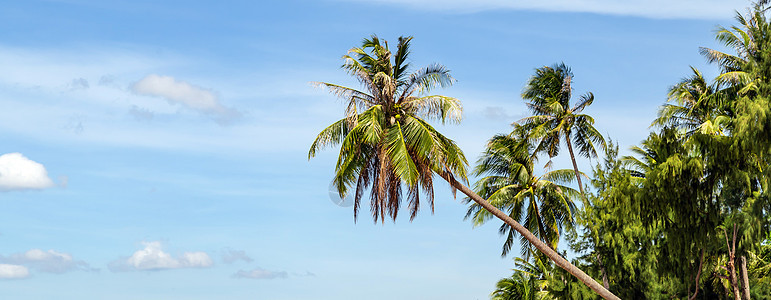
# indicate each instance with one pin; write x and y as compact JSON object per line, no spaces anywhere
{"x":678,"y":219}
{"x":385,"y":144}
{"x":508,"y":181}
{"x":547,"y":95}
{"x":520,"y":286}
{"x":612,"y":232}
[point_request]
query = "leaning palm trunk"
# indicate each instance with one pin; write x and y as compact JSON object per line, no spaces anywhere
{"x":540,"y":245}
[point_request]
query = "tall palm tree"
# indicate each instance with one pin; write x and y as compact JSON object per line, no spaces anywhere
{"x":541,"y":203}
{"x":387,"y":146}
{"x":547,"y":95}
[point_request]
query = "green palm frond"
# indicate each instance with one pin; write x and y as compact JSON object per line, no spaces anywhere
{"x":330,"y":136}
{"x":735,"y":78}
{"x":400,"y":59}
{"x":584,"y":101}
{"x":396,"y":146}
{"x":426,"y":79}
{"x":560,"y":176}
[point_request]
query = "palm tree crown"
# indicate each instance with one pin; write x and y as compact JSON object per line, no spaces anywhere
{"x":541,"y":203}
{"x":547,"y":95}
{"x":385,"y":140}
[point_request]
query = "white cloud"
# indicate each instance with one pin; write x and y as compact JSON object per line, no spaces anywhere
{"x":13,"y":271}
{"x":20,"y":173}
{"x":50,"y":261}
{"x":230,"y":256}
{"x":152,"y":257}
{"x":39,"y":103}
{"x":258,"y":273}
{"x":180,"y":92}
{"x":688,"y":9}
{"x":196,"y":260}
{"x":500,"y":113}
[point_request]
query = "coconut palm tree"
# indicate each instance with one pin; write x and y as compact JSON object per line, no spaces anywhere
{"x":387,"y":146}
{"x":508,"y":181}
{"x":386,"y":142}
{"x":547,"y":95}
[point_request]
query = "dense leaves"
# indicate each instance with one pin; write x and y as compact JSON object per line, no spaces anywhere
{"x":687,"y":215}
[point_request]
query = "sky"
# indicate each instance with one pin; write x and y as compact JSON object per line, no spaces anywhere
{"x":158,"y":149}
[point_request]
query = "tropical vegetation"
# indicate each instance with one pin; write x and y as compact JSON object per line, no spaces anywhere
{"x":685,"y":216}
{"x":387,"y":147}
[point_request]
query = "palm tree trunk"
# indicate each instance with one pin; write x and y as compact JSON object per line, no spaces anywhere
{"x":731,"y":264}
{"x":605,"y":282}
{"x":575,"y":167}
{"x":540,"y":245}
{"x":745,"y":278}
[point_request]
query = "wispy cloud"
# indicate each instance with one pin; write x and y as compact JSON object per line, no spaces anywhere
{"x":140,"y":113}
{"x":8,"y":271}
{"x":44,"y":98}
{"x":50,"y":261}
{"x":230,"y":256}
{"x":688,"y":9}
{"x":186,"y":94}
{"x":152,"y":257}
{"x":259,"y":273}
{"x":20,"y":173}
{"x":79,"y":83}
{"x":500,"y":113}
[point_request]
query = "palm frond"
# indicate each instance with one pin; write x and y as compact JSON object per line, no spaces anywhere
{"x":330,"y":136}
{"x":426,"y":79}
{"x":435,"y":107}
{"x":400,"y":59}
{"x":583,"y":101}
{"x":403,"y":166}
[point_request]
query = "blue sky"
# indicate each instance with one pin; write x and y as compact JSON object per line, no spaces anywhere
{"x":158,"y":150}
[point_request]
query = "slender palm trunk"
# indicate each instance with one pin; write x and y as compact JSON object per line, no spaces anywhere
{"x":731,"y":265}
{"x":540,"y":245}
{"x":575,"y":166}
{"x":605,"y":282}
{"x":745,"y":278}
